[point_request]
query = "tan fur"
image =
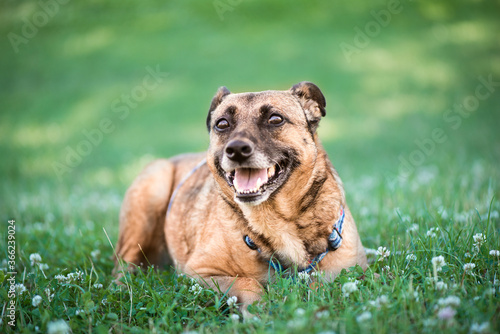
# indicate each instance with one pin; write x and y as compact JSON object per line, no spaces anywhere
{"x":203,"y":232}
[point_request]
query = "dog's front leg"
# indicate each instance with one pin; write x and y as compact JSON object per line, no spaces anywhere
{"x":246,"y":290}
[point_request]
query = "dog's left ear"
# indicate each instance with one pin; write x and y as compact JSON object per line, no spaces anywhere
{"x":312,"y":100}
{"x":222,"y":92}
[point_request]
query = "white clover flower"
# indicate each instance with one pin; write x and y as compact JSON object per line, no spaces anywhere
{"x":231,"y":301}
{"x":75,"y":277}
{"x":432,"y":233}
{"x":296,"y":323}
{"x":37,"y":300}
{"x":379,"y":302}
{"x":416,"y":296}
{"x":20,"y":288}
{"x":98,"y":286}
{"x":412,"y":228}
{"x":61,"y":278}
{"x":322,"y":314}
{"x":411,"y":257}
{"x":446,"y":313}
{"x":469,"y":266}
{"x":480,"y":328}
{"x":383,"y":252}
{"x":303,"y":276}
{"x":438,"y":262}
{"x":441,"y":286}
{"x":235,"y":317}
{"x":35,"y":258}
{"x":49,"y":293}
{"x":494,"y":252}
{"x":43,"y":266}
{"x":468,"y":255}
{"x":462,"y":217}
{"x":363,"y":317}
{"x":300,"y":312}
{"x":452,"y":301}
{"x":58,"y":327}
{"x":382,"y":300}
{"x":349,"y":288}
{"x":196,"y":289}
{"x":315,"y":274}
{"x":95,"y":253}
{"x":479,"y":239}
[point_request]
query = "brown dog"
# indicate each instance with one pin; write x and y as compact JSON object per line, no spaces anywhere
{"x":265,"y":197}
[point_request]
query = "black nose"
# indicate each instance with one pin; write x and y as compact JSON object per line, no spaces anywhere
{"x":239,"y":150}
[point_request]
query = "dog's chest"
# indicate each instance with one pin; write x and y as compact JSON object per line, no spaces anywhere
{"x":293,"y":243}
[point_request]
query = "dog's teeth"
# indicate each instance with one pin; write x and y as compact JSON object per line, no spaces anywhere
{"x":271,"y":171}
{"x":259,"y":183}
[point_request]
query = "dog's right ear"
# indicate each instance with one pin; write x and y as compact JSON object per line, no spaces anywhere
{"x":312,"y":100}
{"x":222,"y":92}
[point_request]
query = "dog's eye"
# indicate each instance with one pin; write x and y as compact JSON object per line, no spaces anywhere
{"x":275,"y":119}
{"x":222,"y":124}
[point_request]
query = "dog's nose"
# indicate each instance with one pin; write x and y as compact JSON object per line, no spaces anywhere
{"x":239,"y":150}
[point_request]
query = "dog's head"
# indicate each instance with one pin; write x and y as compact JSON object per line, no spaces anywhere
{"x":261,"y":141}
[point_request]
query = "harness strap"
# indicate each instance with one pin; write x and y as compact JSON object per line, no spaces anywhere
{"x":334,"y":243}
{"x":184,"y":179}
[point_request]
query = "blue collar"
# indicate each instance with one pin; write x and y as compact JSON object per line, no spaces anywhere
{"x":334,"y":243}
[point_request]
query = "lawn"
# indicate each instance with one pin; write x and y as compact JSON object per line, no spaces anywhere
{"x":92,"y":91}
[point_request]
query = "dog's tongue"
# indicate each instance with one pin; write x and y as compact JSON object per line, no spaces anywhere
{"x":249,"y":179}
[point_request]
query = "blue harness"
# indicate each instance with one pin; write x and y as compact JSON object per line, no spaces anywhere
{"x":334,"y":242}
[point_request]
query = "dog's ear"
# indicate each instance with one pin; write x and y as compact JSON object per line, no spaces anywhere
{"x":312,"y":100}
{"x":222,"y":92}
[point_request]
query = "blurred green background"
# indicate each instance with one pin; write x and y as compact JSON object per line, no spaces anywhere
{"x":65,"y":71}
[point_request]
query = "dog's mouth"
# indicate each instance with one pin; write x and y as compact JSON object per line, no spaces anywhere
{"x":251,"y":184}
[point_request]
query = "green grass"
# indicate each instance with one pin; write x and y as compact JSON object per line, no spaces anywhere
{"x":390,"y":96}
{"x":166,"y":302}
